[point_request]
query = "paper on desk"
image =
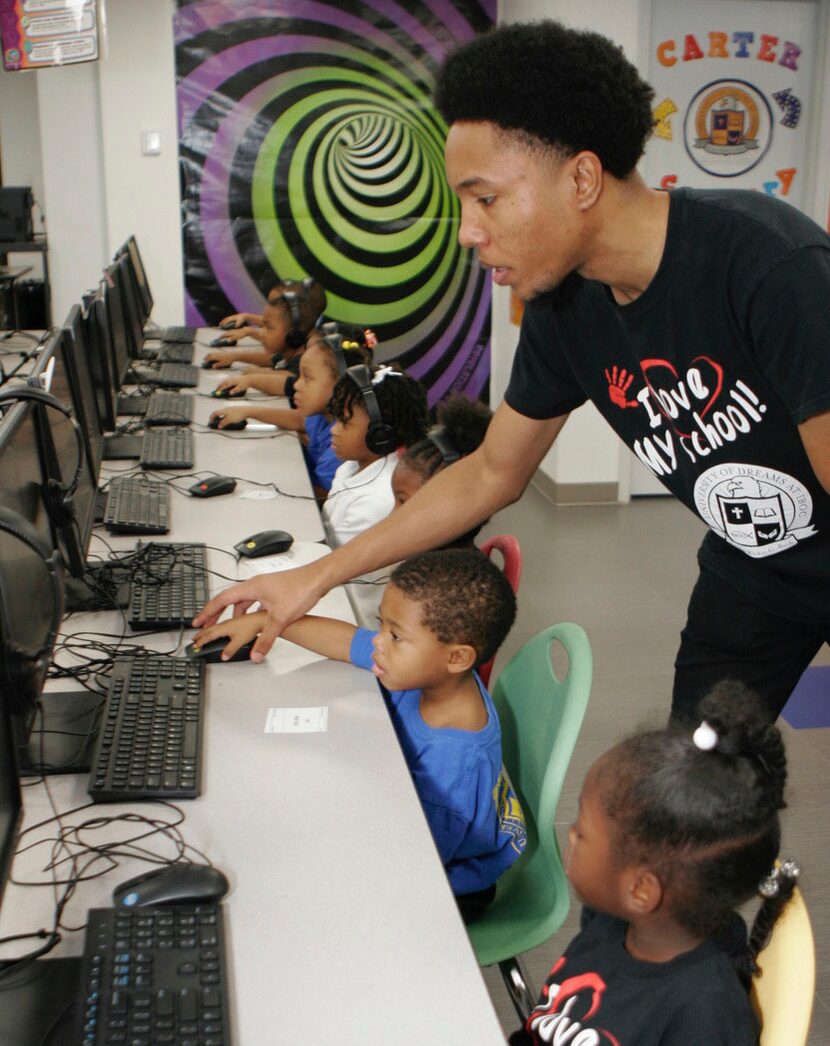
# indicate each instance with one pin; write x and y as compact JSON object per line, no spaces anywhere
{"x":259,"y":495}
{"x":297,"y":720}
{"x":300,"y":553}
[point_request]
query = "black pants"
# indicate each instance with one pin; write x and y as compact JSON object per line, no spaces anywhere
{"x":471,"y":905}
{"x":727,"y":636}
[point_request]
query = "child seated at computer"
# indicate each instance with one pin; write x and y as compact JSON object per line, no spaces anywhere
{"x":322,"y":362}
{"x":290,"y":312}
{"x":676,"y":829}
{"x":443,"y":614}
{"x":376,"y":410}
{"x":280,"y":379}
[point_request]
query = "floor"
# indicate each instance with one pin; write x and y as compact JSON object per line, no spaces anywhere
{"x":625,"y":573}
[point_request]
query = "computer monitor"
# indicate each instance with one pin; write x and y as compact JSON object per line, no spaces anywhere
{"x":76,"y":353}
{"x":139,"y":275}
{"x":21,"y":469}
{"x":120,"y":344}
{"x":60,"y":458}
{"x":130,"y":305}
{"x":100,"y":356}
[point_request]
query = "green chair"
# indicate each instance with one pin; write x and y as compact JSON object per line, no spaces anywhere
{"x":541,"y":716}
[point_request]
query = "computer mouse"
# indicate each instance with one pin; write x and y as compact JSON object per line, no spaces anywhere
{"x":211,"y":653}
{"x":227,"y":394}
{"x":264,"y":543}
{"x":212,"y":365}
{"x":221,"y":343}
{"x":177,"y":883}
{"x":213,"y":485}
{"x":232,"y":426}
{"x":228,"y":325}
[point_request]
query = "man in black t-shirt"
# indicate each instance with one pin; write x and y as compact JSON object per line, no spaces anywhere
{"x":695,"y":321}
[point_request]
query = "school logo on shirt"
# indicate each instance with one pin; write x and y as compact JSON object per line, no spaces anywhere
{"x":560,"y":1018}
{"x":509,"y":812}
{"x":760,"y":511}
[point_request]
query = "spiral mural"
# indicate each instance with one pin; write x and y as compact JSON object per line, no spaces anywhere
{"x":309,"y":147}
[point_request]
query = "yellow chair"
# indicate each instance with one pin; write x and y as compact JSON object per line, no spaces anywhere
{"x":783,"y":989}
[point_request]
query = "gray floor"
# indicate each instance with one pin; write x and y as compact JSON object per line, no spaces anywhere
{"x":625,"y":573}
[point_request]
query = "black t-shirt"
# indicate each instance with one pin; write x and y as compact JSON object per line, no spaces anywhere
{"x":599,"y":995}
{"x":705,"y":377}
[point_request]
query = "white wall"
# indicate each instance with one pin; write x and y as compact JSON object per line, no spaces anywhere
{"x":74,"y":134}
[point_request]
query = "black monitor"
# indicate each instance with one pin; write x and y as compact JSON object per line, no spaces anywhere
{"x":138,"y":275}
{"x":21,"y":469}
{"x":100,"y":356}
{"x":74,"y":517}
{"x":76,"y":351}
{"x":130,"y":306}
{"x":120,"y":343}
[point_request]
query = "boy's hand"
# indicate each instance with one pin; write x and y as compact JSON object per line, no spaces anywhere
{"x":239,"y":630}
{"x":238,"y":319}
{"x":285,"y":596}
{"x":219,"y":359}
{"x":227,"y":415}
{"x":235,"y":384}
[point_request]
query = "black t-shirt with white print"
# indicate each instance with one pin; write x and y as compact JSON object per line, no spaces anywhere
{"x":599,"y":995}
{"x":705,"y":377}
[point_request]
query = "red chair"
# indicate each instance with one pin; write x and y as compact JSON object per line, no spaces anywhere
{"x":511,"y":553}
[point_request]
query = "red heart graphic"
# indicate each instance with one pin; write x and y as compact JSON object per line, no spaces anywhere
{"x":647,"y":365}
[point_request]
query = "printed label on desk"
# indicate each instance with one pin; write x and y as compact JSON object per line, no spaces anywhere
{"x":259,"y":495}
{"x":297,"y":720}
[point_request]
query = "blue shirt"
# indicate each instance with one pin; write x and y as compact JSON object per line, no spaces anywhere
{"x":470,"y":806}
{"x":320,"y":459}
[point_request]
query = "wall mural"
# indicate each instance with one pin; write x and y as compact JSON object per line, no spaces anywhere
{"x":309,"y":147}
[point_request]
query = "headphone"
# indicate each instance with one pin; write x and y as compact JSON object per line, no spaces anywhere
{"x":380,"y":437}
{"x":296,"y":337}
{"x":335,"y":343}
{"x":443,"y":442}
{"x":57,"y":496}
{"x":22,"y":671}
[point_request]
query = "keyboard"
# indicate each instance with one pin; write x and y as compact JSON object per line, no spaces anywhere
{"x":137,"y":505}
{"x":150,"y":738}
{"x":176,"y":352}
{"x":167,"y":448}
{"x":173,"y":376}
{"x":153,"y":975}
{"x":169,"y":586}
{"x":179,"y":334}
{"x":169,"y":408}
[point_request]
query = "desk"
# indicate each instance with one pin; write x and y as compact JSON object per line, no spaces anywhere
{"x":35,"y":246}
{"x":342,"y":930}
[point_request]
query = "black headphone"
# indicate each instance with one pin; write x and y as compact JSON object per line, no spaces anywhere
{"x":380,"y":437}
{"x":57,"y":496}
{"x":335,"y":343}
{"x":443,"y":442}
{"x":22,"y":671}
{"x":295,"y":338}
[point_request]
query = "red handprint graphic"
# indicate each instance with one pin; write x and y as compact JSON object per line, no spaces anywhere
{"x":619,"y":382}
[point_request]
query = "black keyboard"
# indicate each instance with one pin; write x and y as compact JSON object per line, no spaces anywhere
{"x":179,"y":333}
{"x":176,"y":352}
{"x":137,"y":505}
{"x":155,"y":975}
{"x":169,"y":408}
{"x":150,"y":738}
{"x":167,"y":448}
{"x":173,"y":376}
{"x":131,"y":405}
{"x":169,"y":586}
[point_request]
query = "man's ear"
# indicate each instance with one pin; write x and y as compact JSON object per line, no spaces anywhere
{"x":644,"y":891}
{"x":588,"y":175}
{"x":461,"y":657}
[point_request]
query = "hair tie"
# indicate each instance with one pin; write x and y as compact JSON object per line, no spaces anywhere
{"x":371,"y":339}
{"x":383,"y":372}
{"x":705,"y":737}
{"x":786,"y":871}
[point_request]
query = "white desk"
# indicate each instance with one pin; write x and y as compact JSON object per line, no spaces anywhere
{"x":342,"y":930}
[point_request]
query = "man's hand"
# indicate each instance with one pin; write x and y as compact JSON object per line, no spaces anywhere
{"x":285,"y":596}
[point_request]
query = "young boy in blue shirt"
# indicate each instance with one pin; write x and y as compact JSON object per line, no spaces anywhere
{"x":443,"y":613}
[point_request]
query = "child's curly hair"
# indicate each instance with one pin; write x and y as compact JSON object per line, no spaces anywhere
{"x":402,"y":401}
{"x":463,"y":595}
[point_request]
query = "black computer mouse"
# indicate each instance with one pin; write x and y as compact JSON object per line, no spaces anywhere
{"x":222,"y":343}
{"x":264,"y":543}
{"x":227,"y":394}
{"x":213,"y":485}
{"x":232,"y":426}
{"x":211,"y":653}
{"x":178,"y":883}
{"x":212,"y":365}
{"x":229,"y":325}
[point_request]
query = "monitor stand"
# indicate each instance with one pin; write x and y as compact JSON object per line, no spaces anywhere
{"x":39,"y":1003}
{"x":62,"y":736}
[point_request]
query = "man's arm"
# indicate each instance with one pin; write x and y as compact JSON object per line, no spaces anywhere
{"x":451,"y":503}
{"x":815,"y":435}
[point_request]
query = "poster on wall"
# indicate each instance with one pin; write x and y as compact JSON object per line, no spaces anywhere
{"x":37,"y":34}
{"x":309,"y":146}
{"x":733,"y":86}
